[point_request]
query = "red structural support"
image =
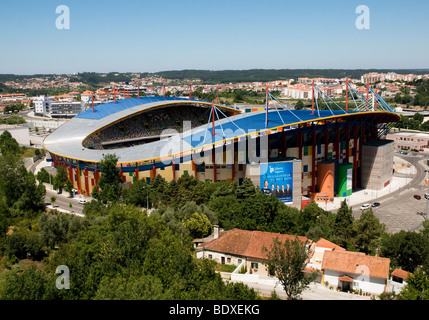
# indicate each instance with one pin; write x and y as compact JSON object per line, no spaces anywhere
{"x":355,"y":148}
{"x":326,"y":141}
{"x":312,"y":93}
{"x":214,"y":164}
{"x":173,"y":167}
{"x":96,"y":175}
{"x":347,"y":94}
{"x":70,"y":168}
{"x":347,"y":142}
{"x":86,"y":182}
{"x":79,"y":188}
{"x":213,"y":119}
{"x":313,"y":161}
{"x":194,"y":168}
{"x":137,"y":172}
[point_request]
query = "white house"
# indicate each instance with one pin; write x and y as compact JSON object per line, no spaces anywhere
{"x":355,"y":271}
{"x":243,"y":248}
{"x":398,"y":280}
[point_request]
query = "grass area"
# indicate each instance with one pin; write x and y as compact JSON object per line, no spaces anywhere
{"x":225,"y":267}
{"x":30,"y":152}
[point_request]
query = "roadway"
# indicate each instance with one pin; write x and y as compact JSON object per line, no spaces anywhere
{"x":399,"y":210}
{"x":63,"y":202}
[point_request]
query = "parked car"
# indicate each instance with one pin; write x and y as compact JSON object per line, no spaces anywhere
{"x":376,"y":204}
{"x":365,"y":206}
{"x":416,"y":196}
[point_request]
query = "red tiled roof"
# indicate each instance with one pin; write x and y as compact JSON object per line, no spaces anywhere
{"x":345,"y":278}
{"x":401,"y":273}
{"x":350,"y":262}
{"x":323,"y":243}
{"x":246,"y":243}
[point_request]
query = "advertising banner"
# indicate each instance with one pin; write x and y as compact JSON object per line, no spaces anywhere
{"x":277,"y":179}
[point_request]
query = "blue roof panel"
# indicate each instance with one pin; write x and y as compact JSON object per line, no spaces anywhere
{"x":105,"y":109}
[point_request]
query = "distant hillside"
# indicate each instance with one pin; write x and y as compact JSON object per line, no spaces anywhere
{"x":219,"y":76}
{"x":226,"y":76}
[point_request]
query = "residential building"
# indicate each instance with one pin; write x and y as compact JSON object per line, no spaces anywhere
{"x":398,"y":280}
{"x":41,"y":105}
{"x":409,"y":140}
{"x":355,"y":271}
{"x":86,"y":96}
{"x":319,"y":249}
{"x":243,"y":247}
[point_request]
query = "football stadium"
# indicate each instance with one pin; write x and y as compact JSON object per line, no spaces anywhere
{"x":297,"y":155}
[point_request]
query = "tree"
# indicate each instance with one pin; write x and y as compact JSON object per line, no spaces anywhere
{"x":53,"y":199}
{"x":406,"y":250}
{"x":109,"y":187}
{"x":43,"y":176}
{"x":69,"y":188}
{"x":138,"y":194}
{"x":418,"y":117}
{"x":287,"y":261}
{"x":343,"y":226}
{"x":199,"y":225}
{"x":18,"y":187}
{"x":417,"y":287}
{"x":8,"y":145}
{"x":134,"y":288}
{"x":368,"y":231}
{"x":60,"y":179}
{"x":30,"y":284}
{"x":299,"y":105}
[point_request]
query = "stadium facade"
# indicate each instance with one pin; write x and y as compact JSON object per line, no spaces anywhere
{"x":294,"y":154}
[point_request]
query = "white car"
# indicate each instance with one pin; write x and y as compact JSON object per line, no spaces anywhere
{"x":365,"y":206}
{"x":81,"y":201}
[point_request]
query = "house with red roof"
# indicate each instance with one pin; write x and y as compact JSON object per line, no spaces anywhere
{"x":355,"y":271}
{"x":318,"y":251}
{"x":398,"y":279}
{"x":244,"y":247}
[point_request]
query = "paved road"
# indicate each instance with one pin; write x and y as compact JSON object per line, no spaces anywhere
{"x":63,"y":202}
{"x":398,"y":210}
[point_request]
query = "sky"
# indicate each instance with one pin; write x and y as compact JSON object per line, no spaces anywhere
{"x":152,"y":36}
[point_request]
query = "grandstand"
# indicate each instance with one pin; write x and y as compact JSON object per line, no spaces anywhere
{"x":317,"y":152}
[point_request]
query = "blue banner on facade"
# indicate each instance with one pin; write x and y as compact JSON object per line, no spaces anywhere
{"x":276,"y":179}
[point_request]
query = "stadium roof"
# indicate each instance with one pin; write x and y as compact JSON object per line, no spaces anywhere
{"x":67,"y":140}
